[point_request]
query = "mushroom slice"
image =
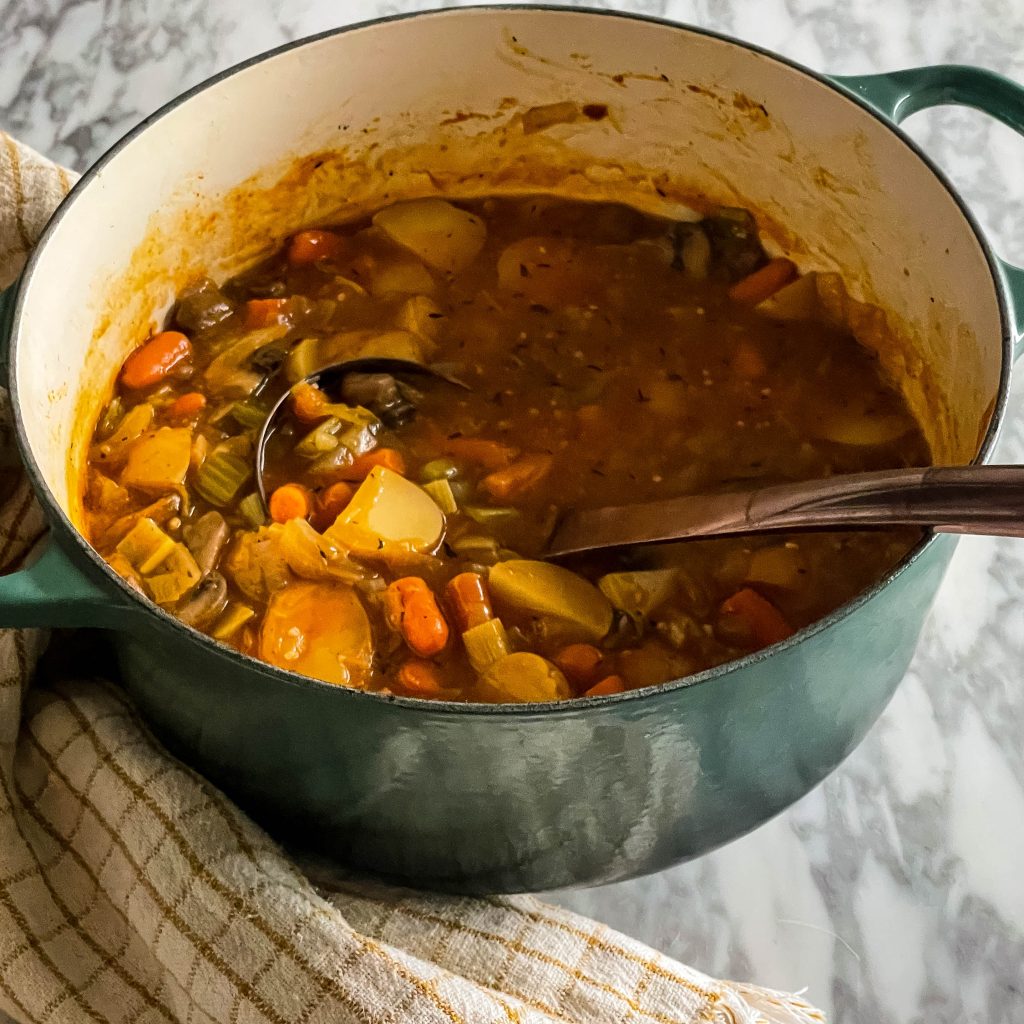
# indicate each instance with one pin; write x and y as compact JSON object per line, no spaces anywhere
{"x":206,"y":603}
{"x":206,"y":538}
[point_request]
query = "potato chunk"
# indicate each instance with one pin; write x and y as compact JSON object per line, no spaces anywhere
{"x":320,"y":630}
{"x":543,"y":589}
{"x":443,"y":236}
{"x":158,"y":462}
{"x":388,"y":514}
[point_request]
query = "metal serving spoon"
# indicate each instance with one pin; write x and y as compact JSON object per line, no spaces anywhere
{"x":950,"y":499}
{"x":330,"y":380}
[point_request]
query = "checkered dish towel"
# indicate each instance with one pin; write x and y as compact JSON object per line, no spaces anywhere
{"x":132,"y":890}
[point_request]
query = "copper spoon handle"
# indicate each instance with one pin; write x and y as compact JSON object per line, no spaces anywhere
{"x":950,"y":499}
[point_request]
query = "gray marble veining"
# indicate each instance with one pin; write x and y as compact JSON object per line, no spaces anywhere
{"x":895,"y":891}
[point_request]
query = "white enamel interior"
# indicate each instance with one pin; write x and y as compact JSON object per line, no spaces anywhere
{"x":856,"y":197}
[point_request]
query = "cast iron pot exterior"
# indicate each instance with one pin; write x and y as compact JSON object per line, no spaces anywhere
{"x":514,"y":798}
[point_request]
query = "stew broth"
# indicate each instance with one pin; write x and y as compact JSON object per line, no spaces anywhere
{"x":611,"y":357}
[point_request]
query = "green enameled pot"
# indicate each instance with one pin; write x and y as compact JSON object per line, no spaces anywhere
{"x":524,"y":797}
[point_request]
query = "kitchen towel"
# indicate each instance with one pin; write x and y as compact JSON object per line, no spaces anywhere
{"x":132,"y":890}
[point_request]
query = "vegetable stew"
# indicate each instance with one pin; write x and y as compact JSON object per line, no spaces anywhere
{"x":610,"y":356}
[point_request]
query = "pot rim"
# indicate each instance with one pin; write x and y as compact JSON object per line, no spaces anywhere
{"x":58,"y":517}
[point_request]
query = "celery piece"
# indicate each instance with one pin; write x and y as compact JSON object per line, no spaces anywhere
{"x":146,"y":546}
{"x":229,"y":375}
{"x":441,"y":492}
{"x":250,"y":413}
{"x":251,"y":507}
{"x":485,"y":644}
{"x":221,"y":477}
{"x":476,"y":548}
{"x":438,"y":469}
{"x":487,"y":516}
{"x":234,"y":617}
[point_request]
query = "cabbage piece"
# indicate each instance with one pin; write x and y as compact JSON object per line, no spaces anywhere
{"x":228,"y":376}
{"x":314,"y":557}
{"x":444,"y":237}
{"x":255,"y":565}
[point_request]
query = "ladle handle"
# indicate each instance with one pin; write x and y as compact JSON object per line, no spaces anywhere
{"x":954,"y":499}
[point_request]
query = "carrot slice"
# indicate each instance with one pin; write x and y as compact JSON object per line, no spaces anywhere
{"x":756,"y":287}
{"x":330,"y":504}
{"x":263,"y":312}
{"x":152,"y":362}
{"x":420,"y":678}
{"x":290,"y":501}
{"x":187,"y":406}
{"x":310,"y":246}
{"x":359,"y":468}
{"x":766,"y":621}
{"x":607,"y":686}
{"x":309,"y":403}
{"x":411,"y":608}
{"x":580,"y":664}
{"x":470,"y":600}
{"x":491,"y":455}
{"x":522,"y":476}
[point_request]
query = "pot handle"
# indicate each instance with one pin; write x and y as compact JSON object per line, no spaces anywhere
{"x":898,"y":94}
{"x":53,"y":591}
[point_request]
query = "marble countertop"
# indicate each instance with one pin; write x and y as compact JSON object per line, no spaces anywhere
{"x":895,"y":891}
